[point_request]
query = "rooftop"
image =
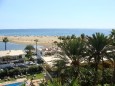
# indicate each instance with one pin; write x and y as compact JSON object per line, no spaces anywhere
{"x":12,"y":53}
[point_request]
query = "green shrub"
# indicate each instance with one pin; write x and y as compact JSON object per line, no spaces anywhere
{"x":19,"y":71}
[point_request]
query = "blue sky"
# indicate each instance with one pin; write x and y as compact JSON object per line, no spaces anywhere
{"x":19,"y":14}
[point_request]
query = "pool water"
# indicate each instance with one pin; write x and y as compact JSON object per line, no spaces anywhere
{"x":15,"y":84}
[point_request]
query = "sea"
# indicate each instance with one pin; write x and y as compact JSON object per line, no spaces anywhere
{"x":45,"y":32}
{"x":50,"y":32}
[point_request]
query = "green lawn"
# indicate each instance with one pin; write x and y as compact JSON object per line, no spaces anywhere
{"x":36,"y":76}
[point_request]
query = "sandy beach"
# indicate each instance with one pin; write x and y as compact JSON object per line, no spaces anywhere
{"x":46,"y":41}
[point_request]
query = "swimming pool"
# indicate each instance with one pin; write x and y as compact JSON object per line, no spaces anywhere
{"x":15,"y":84}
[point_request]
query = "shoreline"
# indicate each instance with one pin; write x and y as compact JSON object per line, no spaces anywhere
{"x":45,"y":41}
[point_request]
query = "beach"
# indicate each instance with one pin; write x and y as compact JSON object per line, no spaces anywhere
{"x":46,"y":41}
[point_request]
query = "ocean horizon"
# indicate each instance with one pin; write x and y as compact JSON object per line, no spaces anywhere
{"x":51,"y":32}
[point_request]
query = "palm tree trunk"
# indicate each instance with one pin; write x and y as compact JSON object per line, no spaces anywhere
{"x":96,"y":72}
{"x":78,"y":68}
{"x":95,"y":78}
{"x":113,"y":77}
{"x":102,"y":84}
{"x":5,"y":45}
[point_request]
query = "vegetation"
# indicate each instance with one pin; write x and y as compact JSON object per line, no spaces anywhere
{"x":34,"y":76}
{"x":92,"y":61}
{"x":19,"y":72}
{"x":5,"y":40}
{"x":29,"y":49}
{"x":83,"y":61}
{"x":97,"y":48}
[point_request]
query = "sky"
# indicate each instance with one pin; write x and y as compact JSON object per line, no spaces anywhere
{"x":26,"y":14}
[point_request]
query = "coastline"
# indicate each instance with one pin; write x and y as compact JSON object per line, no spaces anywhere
{"x":45,"y":41}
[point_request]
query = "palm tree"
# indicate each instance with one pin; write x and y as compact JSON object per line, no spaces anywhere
{"x":74,"y":49}
{"x":29,"y":49}
{"x":82,"y":35}
{"x":73,"y":36}
{"x":60,"y":65}
{"x":55,"y":42}
{"x":111,"y":53}
{"x":112,"y":35}
{"x":68,"y":37}
{"x":97,"y":44}
{"x":111,"y":57}
{"x":5,"y":40}
{"x":36,"y":40}
{"x":62,"y":37}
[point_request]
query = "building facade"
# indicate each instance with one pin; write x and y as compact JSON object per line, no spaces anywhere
{"x":10,"y":58}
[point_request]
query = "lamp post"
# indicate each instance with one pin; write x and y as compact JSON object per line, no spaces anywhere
{"x":36,"y":40}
